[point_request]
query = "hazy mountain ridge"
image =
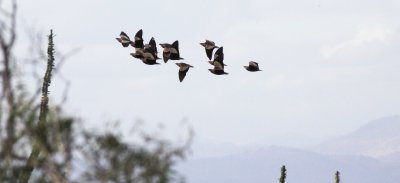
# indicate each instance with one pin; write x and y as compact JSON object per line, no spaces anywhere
{"x":354,"y":155}
{"x":378,"y":138}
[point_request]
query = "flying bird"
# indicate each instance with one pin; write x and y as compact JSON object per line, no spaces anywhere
{"x":183,"y":69}
{"x":218,"y":69}
{"x":167,"y":51}
{"x":209,"y":47}
{"x":252,"y":67}
{"x":171,"y":51}
{"x":149,"y":58}
{"x":124,"y":39}
{"x":218,"y":57}
{"x":151,"y":48}
{"x":138,"y":45}
{"x":149,"y":54}
{"x":138,"y":42}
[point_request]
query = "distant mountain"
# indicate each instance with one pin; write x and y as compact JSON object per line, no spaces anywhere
{"x":263,"y":165}
{"x":371,"y":154}
{"x":378,"y":138}
{"x":207,"y":150}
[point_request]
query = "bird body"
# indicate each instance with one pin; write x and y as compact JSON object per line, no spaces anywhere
{"x":252,"y":67}
{"x":149,"y":59}
{"x":218,"y":69}
{"x":138,"y":54}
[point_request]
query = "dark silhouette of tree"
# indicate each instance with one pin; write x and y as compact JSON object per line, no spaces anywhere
{"x":337,"y":177}
{"x":283,"y":174}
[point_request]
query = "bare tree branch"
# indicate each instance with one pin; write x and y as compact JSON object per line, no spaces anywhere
{"x":41,"y":126}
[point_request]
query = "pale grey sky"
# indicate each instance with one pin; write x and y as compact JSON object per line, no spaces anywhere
{"x":329,"y":66}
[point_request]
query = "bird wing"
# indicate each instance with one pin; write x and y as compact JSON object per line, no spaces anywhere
{"x":166,"y":56}
{"x":182,"y":73}
{"x":138,"y":39}
{"x":220,"y":51}
{"x":139,"y":34}
{"x":209,"y":53}
{"x":123,"y":35}
{"x":125,"y":44}
{"x":184,"y":67}
{"x":153,"y":44}
{"x":175,"y":45}
{"x":210,"y":43}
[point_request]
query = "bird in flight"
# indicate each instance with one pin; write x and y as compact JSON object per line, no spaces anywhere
{"x":124,"y":39}
{"x":218,"y":57}
{"x":252,"y":67}
{"x":171,"y":51}
{"x":149,"y":53}
{"x":138,"y":45}
{"x":218,"y":69}
{"x":209,"y":47}
{"x":183,"y":69}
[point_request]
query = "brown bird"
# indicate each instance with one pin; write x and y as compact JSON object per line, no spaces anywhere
{"x":138,"y":45}
{"x":218,"y":69}
{"x":252,"y":67}
{"x":171,"y":51}
{"x":218,"y":57}
{"x":183,"y":69}
{"x":138,"y":42}
{"x":209,"y":47}
{"x":151,"y":48}
{"x":149,"y":58}
{"x":148,"y":55}
{"x":124,"y":39}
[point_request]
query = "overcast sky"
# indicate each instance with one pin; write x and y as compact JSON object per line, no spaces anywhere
{"x":329,"y":66}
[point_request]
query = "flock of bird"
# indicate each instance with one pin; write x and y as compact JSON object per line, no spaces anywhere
{"x":147,"y":53}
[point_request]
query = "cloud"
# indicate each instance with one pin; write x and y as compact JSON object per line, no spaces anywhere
{"x":367,"y":35}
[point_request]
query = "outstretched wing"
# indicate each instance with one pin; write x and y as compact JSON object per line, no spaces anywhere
{"x":153,"y":44}
{"x":176,"y":46}
{"x":175,"y":51}
{"x":166,"y":56}
{"x":139,"y":34}
{"x":219,"y":54}
{"x":124,"y":39}
{"x":123,"y":35}
{"x":182,"y":73}
{"x":138,"y":39}
{"x":209,"y":53}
